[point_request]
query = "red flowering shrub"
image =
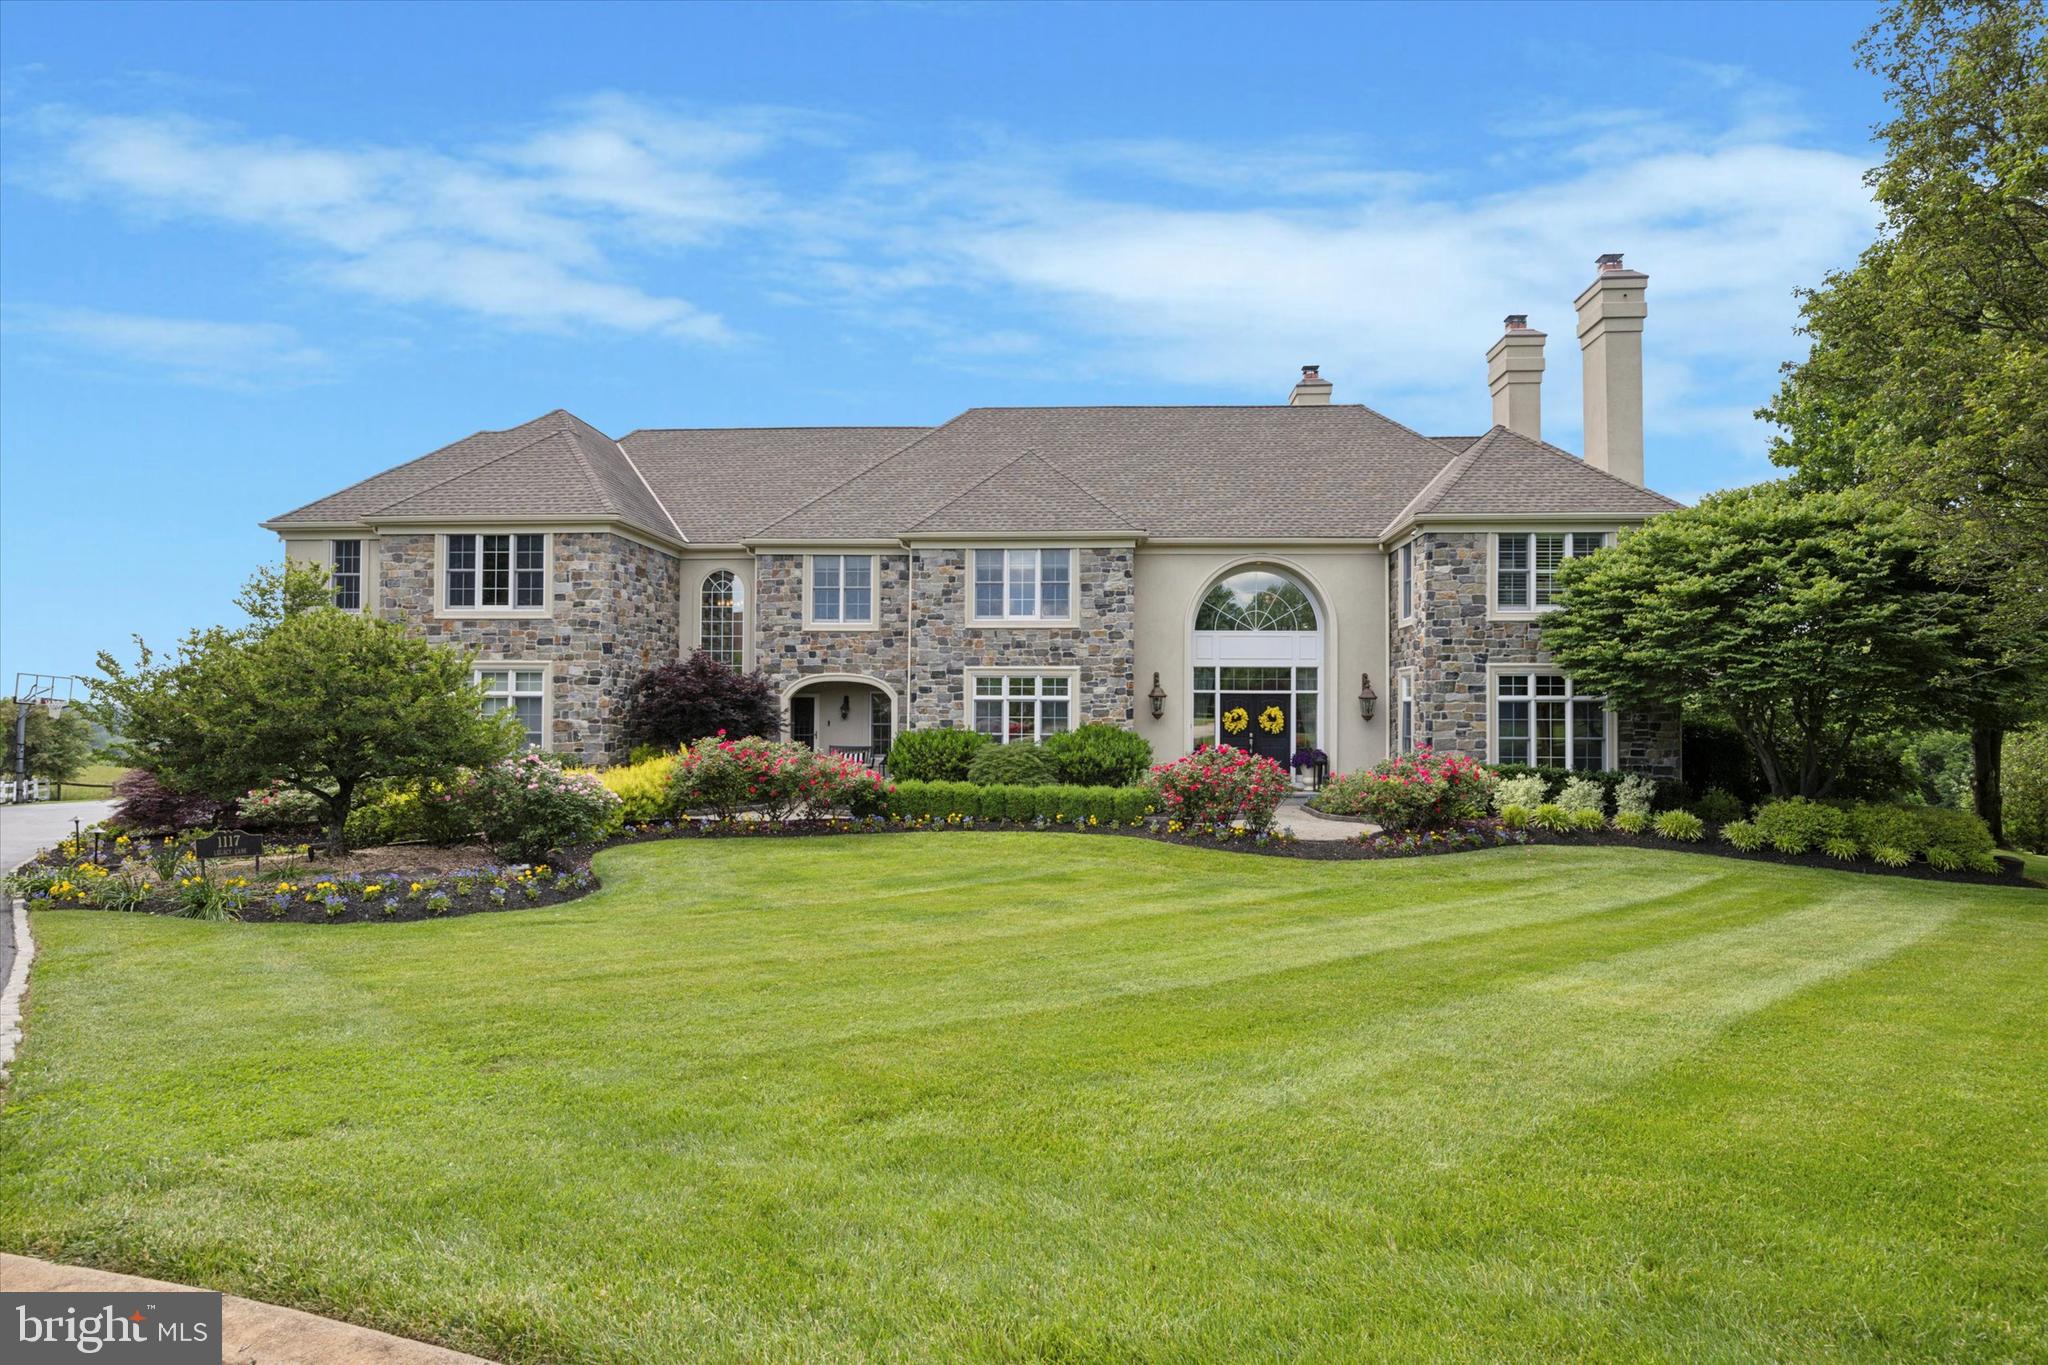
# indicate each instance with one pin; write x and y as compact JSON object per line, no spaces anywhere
{"x":779,"y":778}
{"x":1220,"y":786}
{"x":1421,"y":790}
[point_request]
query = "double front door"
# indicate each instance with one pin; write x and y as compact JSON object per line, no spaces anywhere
{"x":1277,"y":743}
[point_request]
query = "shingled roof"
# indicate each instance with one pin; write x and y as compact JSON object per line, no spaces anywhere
{"x":1341,"y":471}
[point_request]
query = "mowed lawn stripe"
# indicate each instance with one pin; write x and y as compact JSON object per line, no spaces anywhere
{"x":1071,"y":1097}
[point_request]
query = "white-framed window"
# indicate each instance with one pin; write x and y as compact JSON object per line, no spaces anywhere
{"x":521,"y":689}
{"x":348,"y":575}
{"x":1525,"y":565}
{"x":1540,"y":719}
{"x":1406,"y":736}
{"x":1296,"y":690}
{"x":1022,"y":707}
{"x":721,"y":616}
{"x":843,"y":589}
{"x":1408,"y":581}
{"x":1023,"y":585}
{"x":495,"y":572}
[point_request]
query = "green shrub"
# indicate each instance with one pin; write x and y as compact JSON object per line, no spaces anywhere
{"x":1796,"y":824}
{"x":398,"y":812}
{"x":1635,"y":794}
{"x":1896,"y":827}
{"x":1982,"y":862}
{"x":1516,"y":817}
{"x":1099,"y":756}
{"x":1681,"y":825}
{"x":529,"y":806}
{"x":1583,"y":794}
{"x":1743,"y":835}
{"x":1422,"y":790}
{"x":1528,"y":791}
{"x":1632,"y":821}
{"x":1943,"y":859}
{"x":1220,"y":786}
{"x":1841,"y":847}
{"x":645,"y":788}
{"x":934,"y":755}
{"x":1012,"y":765}
{"x":938,"y":802}
{"x":1961,"y":832}
{"x":278,"y":808}
{"x":1552,"y":817}
{"x":1890,"y":855}
{"x":1718,"y":805}
{"x":1609,"y":780}
{"x":1588,"y":821}
{"x":2023,"y":788}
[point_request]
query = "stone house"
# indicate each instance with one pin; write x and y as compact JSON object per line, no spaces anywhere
{"x":1301,"y":575}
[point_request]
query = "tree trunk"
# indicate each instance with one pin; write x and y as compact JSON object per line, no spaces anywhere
{"x":1987,"y":748}
{"x":337,"y":814}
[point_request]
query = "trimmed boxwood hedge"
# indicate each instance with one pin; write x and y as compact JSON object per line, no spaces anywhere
{"x":1070,"y":805}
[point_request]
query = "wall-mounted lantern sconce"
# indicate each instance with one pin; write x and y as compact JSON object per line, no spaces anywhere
{"x":845,"y":707}
{"x":1158,"y":695}
{"x":1366,"y":696}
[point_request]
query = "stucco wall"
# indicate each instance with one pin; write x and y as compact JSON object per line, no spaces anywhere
{"x":1350,"y":588}
{"x":614,"y":615}
{"x":1451,"y":642}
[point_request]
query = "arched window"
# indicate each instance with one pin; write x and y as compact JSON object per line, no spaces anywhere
{"x":1256,"y":600}
{"x":721,"y":620}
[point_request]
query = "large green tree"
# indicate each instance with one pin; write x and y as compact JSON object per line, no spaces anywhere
{"x":1928,"y":374}
{"x":321,"y":699}
{"x":1809,"y":620}
{"x":58,"y":746}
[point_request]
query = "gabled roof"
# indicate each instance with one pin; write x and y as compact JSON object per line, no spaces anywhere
{"x":1506,"y":474}
{"x":1028,"y":494}
{"x":723,"y":484}
{"x":556,"y":465}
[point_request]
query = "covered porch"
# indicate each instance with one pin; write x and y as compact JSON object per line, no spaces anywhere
{"x":846,"y":714}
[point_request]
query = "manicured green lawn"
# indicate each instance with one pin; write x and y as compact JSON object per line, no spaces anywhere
{"x":1012,"y":1096}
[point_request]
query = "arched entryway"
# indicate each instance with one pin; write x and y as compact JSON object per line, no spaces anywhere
{"x":842,"y":713}
{"x":1257,"y":645}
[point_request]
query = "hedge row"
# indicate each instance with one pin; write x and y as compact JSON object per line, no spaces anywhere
{"x":1068,"y":805}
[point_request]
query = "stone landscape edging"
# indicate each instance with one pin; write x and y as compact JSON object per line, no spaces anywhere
{"x":14,"y":994}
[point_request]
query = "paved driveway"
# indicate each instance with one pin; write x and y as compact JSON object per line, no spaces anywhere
{"x":23,"y":830}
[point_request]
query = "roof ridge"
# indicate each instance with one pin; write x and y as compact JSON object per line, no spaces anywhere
{"x":1433,"y":490}
{"x":861,"y":473}
{"x":869,"y":426}
{"x":408,"y":464}
{"x":1564,"y":454}
{"x":631,"y":464}
{"x":1020,"y":458}
{"x":476,"y":468}
{"x":573,"y":423}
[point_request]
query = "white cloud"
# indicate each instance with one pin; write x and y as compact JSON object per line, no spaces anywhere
{"x":231,"y":355}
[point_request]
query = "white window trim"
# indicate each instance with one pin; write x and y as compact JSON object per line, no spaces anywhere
{"x":1072,"y":675}
{"x":363,"y":544}
{"x":548,"y":581}
{"x":478,"y":667}
{"x":1494,"y":610}
{"x":1404,"y":695}
{"x":1493,"y":675}
{"x":1404,"y":555}
{"x":974,"y":616}
{"x":874,"y":621}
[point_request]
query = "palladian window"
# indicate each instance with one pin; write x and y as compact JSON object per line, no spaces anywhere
{"x":1256,"y":600}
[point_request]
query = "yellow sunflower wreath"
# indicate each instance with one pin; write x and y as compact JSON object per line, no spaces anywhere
{"x":1236,"y":719}
{"x":1272,"y":720}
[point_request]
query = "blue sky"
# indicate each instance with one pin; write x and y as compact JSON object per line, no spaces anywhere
{"x":251,"y":254}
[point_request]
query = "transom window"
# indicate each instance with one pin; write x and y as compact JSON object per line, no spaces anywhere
{"x":1023,"y":585}
{"x":521,"y":691}
{"x":843,"y":589}
{"x":348,"y":575}
{"x":1525,"y":565}
{"x":1022,"y":708}
{"x":497,"y":571}
{"x":1255,"y":600}
{"x":720,"y":617}
{"x":1540,"y":719}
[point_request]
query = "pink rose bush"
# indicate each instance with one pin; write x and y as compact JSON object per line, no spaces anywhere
{"x":1220,"y":786}
{"x":1418,"y":791}
{"x":530,"y":805}
{"x":780,"y":779}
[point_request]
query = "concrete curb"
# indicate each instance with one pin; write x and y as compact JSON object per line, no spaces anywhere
{"x":14,"y":994}
{"x":252,"y":1333}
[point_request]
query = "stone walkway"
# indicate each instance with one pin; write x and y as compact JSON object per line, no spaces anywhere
{"x":252,"y":1333}
{"x":1296,"y":818}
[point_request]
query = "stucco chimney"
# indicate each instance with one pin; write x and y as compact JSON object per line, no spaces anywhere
{"x":1514,"y":375}
{"x":1312,"y":389}
{"x":1611,"y":312}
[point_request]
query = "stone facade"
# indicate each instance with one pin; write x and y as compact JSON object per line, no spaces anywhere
{"x":1100,"y":643}
{"x":1449,"y":644}
{"x":615,"y":615}
{"x":786,"y":650}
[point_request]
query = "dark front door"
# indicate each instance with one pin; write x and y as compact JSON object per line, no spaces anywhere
{"x":803,"y":720}
{"x":1277,"y":745}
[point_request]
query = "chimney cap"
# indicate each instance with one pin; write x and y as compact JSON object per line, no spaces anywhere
{"x":1516,"y":322}
{"x":1311,"y":372}
{"x":1608,"y":262}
